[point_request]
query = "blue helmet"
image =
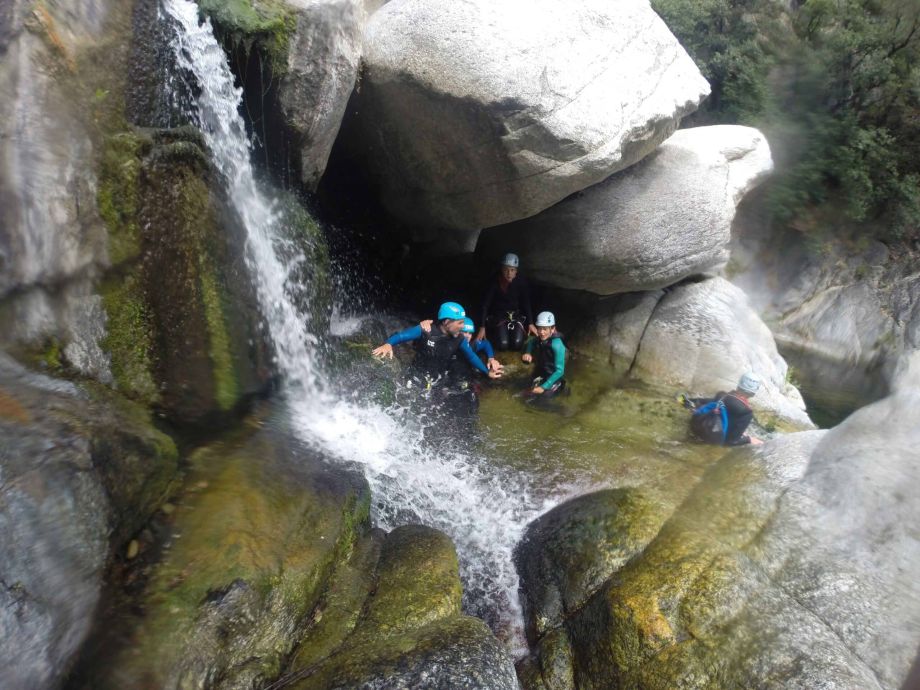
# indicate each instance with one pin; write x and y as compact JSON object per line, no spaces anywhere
{"x":468,"y":326}
{"x":451,"y":310}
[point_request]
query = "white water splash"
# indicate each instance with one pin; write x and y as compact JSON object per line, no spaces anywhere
{"x":412,"y":480}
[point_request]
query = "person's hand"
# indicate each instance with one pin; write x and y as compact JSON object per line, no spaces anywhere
{"x":532,"y":330}
{"x":385,"y":351}
{"x":495,"y":374}
{"x":538,"y":390}
{"x":495,"y":365}
{"x":481,"y":333}
{"x":527,"y":358}
{"x":756,"y":441}
{"x":426,"y":325}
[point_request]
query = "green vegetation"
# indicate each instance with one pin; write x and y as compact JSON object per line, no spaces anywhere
{"x":836,"y":86}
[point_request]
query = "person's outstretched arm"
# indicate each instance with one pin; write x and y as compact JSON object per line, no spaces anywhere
{"x":474,"y":360}
{"x":484,"y":346}
{"x":386,"y":350}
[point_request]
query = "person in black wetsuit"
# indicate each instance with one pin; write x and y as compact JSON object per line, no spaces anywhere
{"x":737,"y":408}
{"x":435,"y":349}
{"x":507,"y":316}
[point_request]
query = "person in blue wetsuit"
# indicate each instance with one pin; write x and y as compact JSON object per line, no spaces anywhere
{"x":435,"y":349}
{"x":738,"y":412}
{"x":462,"y":391}
{"x":460,"y":370}
{"x":547,"y":353}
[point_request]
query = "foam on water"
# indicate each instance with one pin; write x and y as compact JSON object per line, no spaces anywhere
{"x":457,"y":490}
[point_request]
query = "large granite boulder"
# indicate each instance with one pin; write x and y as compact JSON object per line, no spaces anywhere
{"x":404,"y":628}
{"x":790,"y":566}
{"x":304,"y":56}
{"x":80,"y":472}
{"x":473,"y":114}
{"x":52,"y":240}
{"x":698,"y":337}
{"x":845,"y":311}
{"x":664,"y":219}
{"x":256,"y":535}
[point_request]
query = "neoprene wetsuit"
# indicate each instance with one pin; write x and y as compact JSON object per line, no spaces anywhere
{"x":549,"y":360}
{"x":739,"y":416}
{"x":435,"y":349}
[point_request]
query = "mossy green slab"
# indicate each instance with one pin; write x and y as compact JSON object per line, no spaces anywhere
{"x":256,"y":536}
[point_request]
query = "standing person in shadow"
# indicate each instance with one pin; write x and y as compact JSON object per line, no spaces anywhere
{"x":507,"y":316}
{"x":723,"y":418}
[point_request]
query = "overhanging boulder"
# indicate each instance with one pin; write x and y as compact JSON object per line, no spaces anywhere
{"x":662,"y":220}
{"x":478,"y":113}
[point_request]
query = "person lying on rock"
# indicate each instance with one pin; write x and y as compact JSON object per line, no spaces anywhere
{"x":507,"y":316}
{"x":434,"y":349}
{"x":547,"y":353}
{"x":724,"y":418}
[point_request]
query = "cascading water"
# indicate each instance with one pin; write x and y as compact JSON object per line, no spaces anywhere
{"x":411,"y":479}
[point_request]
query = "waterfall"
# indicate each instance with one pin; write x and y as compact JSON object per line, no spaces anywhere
{"x":412,"y":480}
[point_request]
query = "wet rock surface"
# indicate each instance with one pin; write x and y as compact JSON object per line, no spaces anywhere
{"x":787,"y":566}
{"x":303,"y":58}
{"x":79,"y":473}
{"x":526,"y":128}
{"x":571,"y":551}
{"x":846,"y":310}
{"x":411,"y":633}
{"x":700,"y":337}
{"x":255,"y":536}
{"x":664,"y":219}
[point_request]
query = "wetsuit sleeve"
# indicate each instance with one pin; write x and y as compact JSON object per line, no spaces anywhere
{"x":471,"y":357}
{"x":559,"y":361}
{"x":405,"y":336}
{"x":487,"y":303}
{"x":484,"y":346}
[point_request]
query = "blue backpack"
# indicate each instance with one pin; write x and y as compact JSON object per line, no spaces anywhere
{"x":710,"y":422}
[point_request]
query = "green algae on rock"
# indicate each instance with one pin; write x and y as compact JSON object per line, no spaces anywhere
{"x":411,"y":632}
{"x":178,"y":266}
{"x":256,"y":537}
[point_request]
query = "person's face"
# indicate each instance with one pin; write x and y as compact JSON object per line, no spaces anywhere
{"x":509,"y":273}
{"x":545,"y":331}
{"x":453,"y":326}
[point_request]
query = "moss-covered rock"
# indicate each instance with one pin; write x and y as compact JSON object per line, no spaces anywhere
{"x":183,"y":329}
{"x":571,"y":551}
{"x":256,"y":537}
{"x":411,"y":632}
{"x":780,"y":569}
{"x":308,"y":256}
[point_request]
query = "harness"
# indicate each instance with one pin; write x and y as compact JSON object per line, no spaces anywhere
{"x":433,"y":352}
{"x":711,"y":420}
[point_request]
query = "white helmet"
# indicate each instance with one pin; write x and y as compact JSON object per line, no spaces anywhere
{"x":546,"y":318}
{"x":749,"y":383}
{"x":511,"y":260}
